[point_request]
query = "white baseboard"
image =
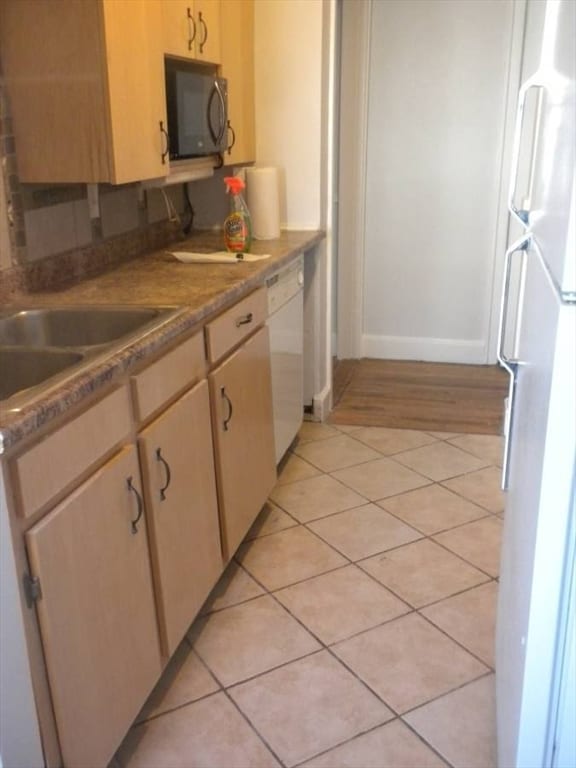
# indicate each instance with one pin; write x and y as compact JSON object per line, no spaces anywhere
{"x":430,"y":350}
{"x":322,"y":404}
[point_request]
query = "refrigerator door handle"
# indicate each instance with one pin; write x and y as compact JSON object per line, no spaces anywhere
{"x":522,"y":214}
{"x":508,"y":363}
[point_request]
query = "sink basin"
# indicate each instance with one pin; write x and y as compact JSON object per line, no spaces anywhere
{"x":40,"y":347}
{"x":73,"y":327}
{"x":24,"y":368}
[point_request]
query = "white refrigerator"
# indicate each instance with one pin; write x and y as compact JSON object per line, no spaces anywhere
{"x":536,"y":631}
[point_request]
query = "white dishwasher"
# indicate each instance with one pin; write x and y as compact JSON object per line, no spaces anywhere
{"x":286,"y":326}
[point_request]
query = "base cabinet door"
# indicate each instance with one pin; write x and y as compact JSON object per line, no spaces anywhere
{"x":241,"y":395}
{"x":96,"y":610}
{"x":178,"y":464}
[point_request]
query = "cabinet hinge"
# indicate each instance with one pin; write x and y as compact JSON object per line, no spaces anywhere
{"x":32,"y":589}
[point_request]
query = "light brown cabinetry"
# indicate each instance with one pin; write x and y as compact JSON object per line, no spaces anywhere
{"x":86,"y":85}
{"x":237,"y":59}
{"x":39,"y":475}
{"x":178,"y":465}
{"x":191,"y":29}
{"x":123,"y":552}
{"x":241,"y":397}
{"x":96,"y":610}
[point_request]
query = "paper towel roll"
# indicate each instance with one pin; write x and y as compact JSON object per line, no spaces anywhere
{"x":262,"y":198}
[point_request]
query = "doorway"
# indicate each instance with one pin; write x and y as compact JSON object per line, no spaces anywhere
{"x":427,"y":105}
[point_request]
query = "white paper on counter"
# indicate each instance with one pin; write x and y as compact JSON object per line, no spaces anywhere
{"x":218,"y":257}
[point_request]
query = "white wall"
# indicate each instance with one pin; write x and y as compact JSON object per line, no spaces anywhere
{"x":294,"y":78}
{"x":288,"y":84}
{"x":437,"y":107}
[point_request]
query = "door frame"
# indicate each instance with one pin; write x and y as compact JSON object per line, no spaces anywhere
{"x":353,"y":161}
{"x":354,"y":73}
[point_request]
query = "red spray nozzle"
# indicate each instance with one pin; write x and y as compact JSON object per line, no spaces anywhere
{"x":234,"y":184}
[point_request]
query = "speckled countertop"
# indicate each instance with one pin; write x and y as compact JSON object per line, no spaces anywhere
{"x":198,"y":291}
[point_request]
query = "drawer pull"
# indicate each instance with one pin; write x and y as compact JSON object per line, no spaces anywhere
{"x":163,"y":461}
{"x":229,"y":402}
{"x":244,"y":320}
{"x":140,"y":505}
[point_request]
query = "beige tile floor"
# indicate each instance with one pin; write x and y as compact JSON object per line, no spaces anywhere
{"x":355,"y":627}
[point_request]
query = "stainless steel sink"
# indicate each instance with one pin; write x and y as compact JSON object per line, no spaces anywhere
{"x":73,"y":327}
{"x":24,"y":368}
{"x":41,"y":347}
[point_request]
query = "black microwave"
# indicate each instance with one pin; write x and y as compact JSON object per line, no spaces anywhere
{"x":197,"y":107}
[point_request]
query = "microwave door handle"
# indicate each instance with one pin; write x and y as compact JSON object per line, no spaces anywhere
{"x":213,"y":134}
{"x":217,"y":136}
{"x":222,"y":112}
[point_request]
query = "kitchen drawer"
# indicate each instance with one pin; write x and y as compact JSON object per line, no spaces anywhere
{"x":53,"y":464}
{"x":231,"y":327}
{"x":167,"y":377}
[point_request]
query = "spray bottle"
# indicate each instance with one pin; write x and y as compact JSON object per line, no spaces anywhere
{"x":238,"y":226}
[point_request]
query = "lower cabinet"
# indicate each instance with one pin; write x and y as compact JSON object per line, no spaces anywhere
{"x":121,"y":565}
{"x":96,"y":611}
{"x":243,"y":431}
{"x":180,"y":489}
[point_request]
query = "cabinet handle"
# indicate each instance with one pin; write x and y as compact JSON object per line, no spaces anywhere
{"x":203,"y":41}
{"x":230,"y":411}
{"x":163,"y":461}
{"x":164,"y":133}
{"x":233,"y":140}
{"x":244,"y":320}
{"x":191,"y":29}
{"x":140,"y":505}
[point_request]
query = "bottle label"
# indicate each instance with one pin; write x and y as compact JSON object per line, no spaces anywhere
{"x":236,"y":233}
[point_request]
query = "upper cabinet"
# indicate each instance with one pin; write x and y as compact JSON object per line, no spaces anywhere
{"x":191,"y":29}
{"x":237,"y":36}
{"x":85,"y":79}
{"x":86,"y":85}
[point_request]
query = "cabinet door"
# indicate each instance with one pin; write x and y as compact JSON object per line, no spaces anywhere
{"x":237,"y":40}
{"x":96,"y":611}
{"x":191,"y":29}
{"x":178,"y":464}
{"x":136,"y":91}
{"x":243,"y":430}
{"x":52,"y":62}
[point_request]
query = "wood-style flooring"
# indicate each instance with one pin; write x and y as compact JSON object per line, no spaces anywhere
{"x":441,"y":397}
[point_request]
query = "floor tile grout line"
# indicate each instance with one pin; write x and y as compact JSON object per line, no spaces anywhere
{"x":426,"y":605}
{"x":176,"y":708}
{"x":360,"y":506}
{"x":441,"y":530}
{"x":442,"y":483}
{"x":356,"y":563}
{"x":433,"y":540}
{"x":380,"y":501}
{"x":429,"y":480}
{"x":357,"y":736}
{"x":489,"y":667}
{"x":478,"y":568}
{"x":459,"y":687}
{"x":374,"y":554}
{"x":329,"y":649}
{"x":253,"y":727}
